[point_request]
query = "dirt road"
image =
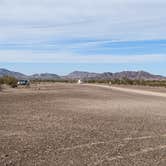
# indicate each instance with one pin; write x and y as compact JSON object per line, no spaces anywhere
{"x":81,"y":125}
{"x":129,"y":90}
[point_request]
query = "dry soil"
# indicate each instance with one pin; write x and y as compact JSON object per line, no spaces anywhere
{"x":81,"y":125}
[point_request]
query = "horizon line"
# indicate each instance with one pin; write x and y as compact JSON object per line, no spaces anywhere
{"x":82,"y":71}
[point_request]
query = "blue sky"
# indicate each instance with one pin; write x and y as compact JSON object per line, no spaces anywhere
{"x":60,"y":36}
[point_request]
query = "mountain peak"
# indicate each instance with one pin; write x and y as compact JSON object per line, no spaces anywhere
{"x":5,"y":72}
{"x":81,"y":75}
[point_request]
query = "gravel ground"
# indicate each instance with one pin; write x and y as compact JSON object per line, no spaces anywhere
{"x":76,"y":125}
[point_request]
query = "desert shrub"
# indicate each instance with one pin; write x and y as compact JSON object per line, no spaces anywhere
{"x":53,"y":81}
{"x":126,"y":81}
{"x":11,"y":81}
{"x":1,"y":82}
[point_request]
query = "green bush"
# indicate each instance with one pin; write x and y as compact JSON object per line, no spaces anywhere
{"x":8,"y":80}
{"x":1,"y":81}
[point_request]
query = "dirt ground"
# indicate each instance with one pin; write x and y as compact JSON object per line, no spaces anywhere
{"x":81,"y":125}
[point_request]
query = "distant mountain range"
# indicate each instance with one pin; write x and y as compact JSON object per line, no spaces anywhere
{"x":4,"y":72}
{"x":44,"y":76}
{"x":133,"y":75}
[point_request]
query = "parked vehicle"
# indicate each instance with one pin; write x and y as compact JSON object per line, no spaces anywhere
{"x":23,"y":83}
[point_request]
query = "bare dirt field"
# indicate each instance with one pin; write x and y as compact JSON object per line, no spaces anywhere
{"x":81,"y":125}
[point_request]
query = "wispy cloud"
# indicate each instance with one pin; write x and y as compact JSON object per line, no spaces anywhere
{"x":60,"y":57}
{"x":81,"y":31}
{"x":115,"y":19}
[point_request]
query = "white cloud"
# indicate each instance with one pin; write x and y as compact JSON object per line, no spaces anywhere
{"x":63,"y":57}
{"x":108,"y":19}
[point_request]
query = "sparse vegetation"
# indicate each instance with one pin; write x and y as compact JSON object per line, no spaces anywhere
{"x":8,"y":80}
{"x":53,"y":81}
{"x":1,"y":82}
{"x":125,"y":81}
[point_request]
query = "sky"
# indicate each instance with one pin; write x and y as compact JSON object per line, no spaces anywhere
{"x":60,"y":36}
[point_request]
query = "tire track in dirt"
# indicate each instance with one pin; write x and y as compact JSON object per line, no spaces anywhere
{"x":133,"y":154}
{"x":89,"y":145}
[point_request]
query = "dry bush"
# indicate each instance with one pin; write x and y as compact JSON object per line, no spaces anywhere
{"x":1,"y":82}
{"x":8,"y":80}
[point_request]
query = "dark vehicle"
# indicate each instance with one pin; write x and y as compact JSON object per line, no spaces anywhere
{"x":23,"y":82}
